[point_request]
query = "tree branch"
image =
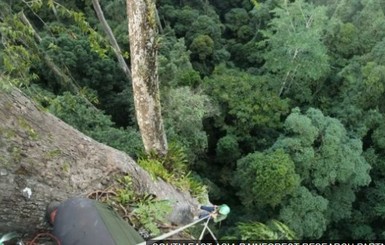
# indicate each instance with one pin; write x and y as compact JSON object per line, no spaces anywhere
{"x":48,"y":61}
{"x":62,"y":76}
{"x":112,"y":39}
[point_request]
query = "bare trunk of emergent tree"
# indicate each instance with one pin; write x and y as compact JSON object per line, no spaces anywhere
{"x":42,"y":159}
{"x":142,"y":27}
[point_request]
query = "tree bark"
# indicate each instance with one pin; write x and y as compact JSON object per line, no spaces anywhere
{"x":143,"y":46}
{"x":112,"y":39}
{"x":42,"y":159}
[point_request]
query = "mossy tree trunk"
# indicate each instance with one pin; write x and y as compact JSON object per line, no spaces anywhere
{"x":42,"y":159}
{"x":142,"y":27}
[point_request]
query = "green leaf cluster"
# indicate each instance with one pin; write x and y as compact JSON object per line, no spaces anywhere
{"x":273,"y":230}
{"x":152,"y":213}
{"x":293,"y":48}
{"x":184,"y":111}
{"x":246,"y":101}
{"x":323,"y":152}
{"x":265,"y":178}
{"x":331,"y":166}
{"x":146,"y":210}
{"x":75,"y":111}
{"x":173,"y":169}
{"x":305,"y":214}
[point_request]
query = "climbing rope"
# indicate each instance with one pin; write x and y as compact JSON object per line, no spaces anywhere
{"x":34,"y":241}
{"x":212,"y":235}
{"x":164,"y":236}
{"x":204,"y":228}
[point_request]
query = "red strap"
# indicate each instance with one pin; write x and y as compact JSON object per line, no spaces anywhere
{"x":34,"y":240}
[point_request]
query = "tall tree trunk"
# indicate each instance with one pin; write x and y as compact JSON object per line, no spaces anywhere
{"x":143,"y":45}
{"x":112,"y":39}
{"x":43,"y":159}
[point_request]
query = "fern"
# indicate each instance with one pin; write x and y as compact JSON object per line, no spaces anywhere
{"x":272,"y":231}
{"x":172,"y":168}
{"x":155,"y":169}
{"x":176,"y":160}
{"x":283,"y":231}
{"x":151,"y":213}
{"x":196,"y":188}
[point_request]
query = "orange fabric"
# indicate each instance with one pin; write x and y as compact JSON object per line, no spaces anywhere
{"x":52,"y":216}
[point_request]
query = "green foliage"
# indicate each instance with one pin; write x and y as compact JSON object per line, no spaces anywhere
{"x":246,"y":101}
{"x":228,"y":150}
{"x":362,"y":232}
{"x":156,"y":169}
{"x":323,"y":152}
{"x":19,"y":48}
{"x":265,"y":178}
{"x":183,"y":111}
{"x":378,"y":137}
{"x":342,"y":39}
{"x":371,"y":23}
{"x":152,"y":213}
{"x":202,"y":30}
{"x":181,"y":18}
{"x":274,"y":230}
{"x":205,"y":26}
{"x":125,"y":194}
{"x":172,"y":168}
{"x":323,"y":54}
{"x":100,"y":75}
{"x":127,"y":140}
{"x":7,"y":83}
{"x":97,"y":43}
{"x":305,"y":214}
{"x":202,"y":46}
{"x":174,"y":161}
{"x":87,"y":119}
{"x":197,"y":188}
{"x":329,"y":162}
{"x":255,"y":3}
{"x":300,"y":124}
{"x":294,"y":50}
{"x":148,"y":211}
{"x":236,"y":18}
{"x":240,"y":32}
{"x":175,"y":68}
{"x":366,"y":81}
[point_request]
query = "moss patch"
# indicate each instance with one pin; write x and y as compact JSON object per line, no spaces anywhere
{"x":53,"y":154}
{"x":32,"y":135}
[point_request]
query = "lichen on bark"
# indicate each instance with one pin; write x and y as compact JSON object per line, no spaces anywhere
{"x":143,"y":50}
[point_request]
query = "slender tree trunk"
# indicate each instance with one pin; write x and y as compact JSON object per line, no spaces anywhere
{"x":143,"y":45}
{"x":112,"y":39}
{"x":61,"y":76}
